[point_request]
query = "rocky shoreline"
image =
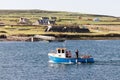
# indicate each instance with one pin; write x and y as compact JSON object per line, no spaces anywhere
{"x":66,"y":37}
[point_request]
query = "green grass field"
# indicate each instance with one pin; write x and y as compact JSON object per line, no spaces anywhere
{"x":11,"y":17}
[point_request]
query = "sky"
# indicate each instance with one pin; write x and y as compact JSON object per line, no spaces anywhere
{"x":103,"y":7}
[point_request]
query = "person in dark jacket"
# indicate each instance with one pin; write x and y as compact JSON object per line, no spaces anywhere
{"x":77,"y":53}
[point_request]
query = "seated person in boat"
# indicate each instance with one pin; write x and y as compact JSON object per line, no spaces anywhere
{"x":68,"y":54}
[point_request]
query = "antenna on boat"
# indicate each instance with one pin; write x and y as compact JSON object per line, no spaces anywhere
{"x":64,"y":44}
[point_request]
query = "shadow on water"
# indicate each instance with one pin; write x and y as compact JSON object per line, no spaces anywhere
{"x":110,"y":62}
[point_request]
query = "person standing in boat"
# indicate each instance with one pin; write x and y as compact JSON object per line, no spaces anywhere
{"x":77,"y":53}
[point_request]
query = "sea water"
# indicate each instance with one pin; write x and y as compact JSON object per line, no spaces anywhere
{"x":29,"y":60}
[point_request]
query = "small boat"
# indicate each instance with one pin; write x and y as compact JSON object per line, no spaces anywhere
{"x":61,"y":56}
{"x":57,"y":40}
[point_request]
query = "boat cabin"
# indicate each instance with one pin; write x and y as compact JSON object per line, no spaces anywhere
{"x":61,"y":52}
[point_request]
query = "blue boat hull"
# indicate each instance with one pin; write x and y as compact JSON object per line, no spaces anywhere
{"x":71,"y":60}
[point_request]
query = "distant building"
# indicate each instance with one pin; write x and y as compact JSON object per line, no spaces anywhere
{"x":24,"y":21}
{"x":45,"y":21}
{"x":96,"y":19}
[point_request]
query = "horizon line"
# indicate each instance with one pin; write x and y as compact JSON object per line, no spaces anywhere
{"x":63,"y":11}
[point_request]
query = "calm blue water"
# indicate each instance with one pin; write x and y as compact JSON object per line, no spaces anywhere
{"x":29,"y":61}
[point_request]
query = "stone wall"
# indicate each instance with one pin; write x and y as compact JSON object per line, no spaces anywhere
{"x":68,"y":29}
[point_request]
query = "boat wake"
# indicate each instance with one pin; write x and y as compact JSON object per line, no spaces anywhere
{"x":110,"y":62}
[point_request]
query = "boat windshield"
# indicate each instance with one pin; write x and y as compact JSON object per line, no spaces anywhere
{"x":63,"y":51}
{"x":58,"y":50}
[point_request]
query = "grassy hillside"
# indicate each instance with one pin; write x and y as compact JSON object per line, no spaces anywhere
{"x":11,"y":17}
{"x":105,"y":26}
